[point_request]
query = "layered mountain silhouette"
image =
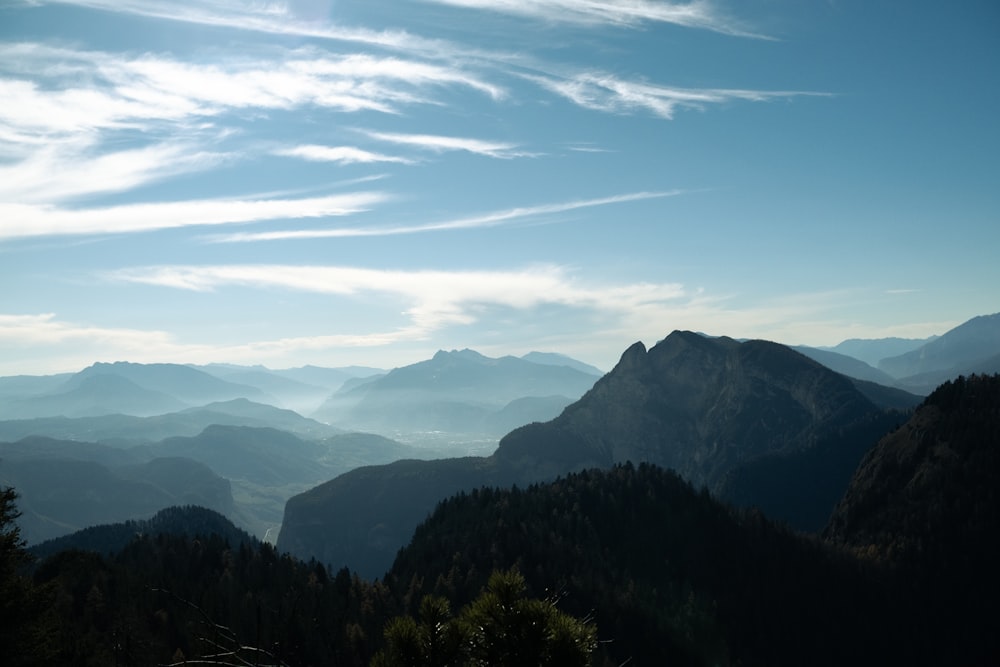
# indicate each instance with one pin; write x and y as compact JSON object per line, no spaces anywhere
{"x":873,"y":350}
{"x":956,"y":352}
{"x":846,"y":365}
{"x":127,"y":388}
{"x":301,"y":389}
{"x":260,"y":468}
{"x":66,"y":486}
{"x":706,"y":407}
{"x":460,"y":391}
{"x":127,"y":430}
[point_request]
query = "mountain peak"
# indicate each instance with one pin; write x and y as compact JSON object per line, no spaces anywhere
{"x":464,"y":354}
{"x":633,"y":357}
{"x":698,"y":405}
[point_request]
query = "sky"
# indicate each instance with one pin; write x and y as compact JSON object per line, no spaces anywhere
{"x":340,"y":182}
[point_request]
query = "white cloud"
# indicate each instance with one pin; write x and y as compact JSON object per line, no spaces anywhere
{"x":441,"y":144}
{"x":436,"y":298}
{"x":340,"y":154}
{"x":692,"y":14}
{"x":605,"y":92}
{"x":275,"y":18}
{"x":472,"y":222}
{"x":64,"y":109}
{"x":27,"y":220}
{"x":64,"y":170}
{"x":93,"y":90}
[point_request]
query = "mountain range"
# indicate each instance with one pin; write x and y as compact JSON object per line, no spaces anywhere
{"x":615,"y":508}
{"x":753,"y":421}
{"x":460,"y":392}
{"x":918,"y":366}
{"x":904,"y":572}
{"x":709,"y":408}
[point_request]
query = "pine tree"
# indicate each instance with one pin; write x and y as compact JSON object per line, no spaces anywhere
{"x":25,"y":625}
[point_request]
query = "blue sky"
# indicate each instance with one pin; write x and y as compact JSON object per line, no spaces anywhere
{"x":344,"y":182}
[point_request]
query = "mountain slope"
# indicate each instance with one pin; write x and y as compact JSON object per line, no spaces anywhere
{"x":845,"y":365}
{"x":60,"y":496}
{"x":457,"y":391}
{"x":556,"y":359}
{"x":936,"y":473}
{"x":697,"y":405}
{"x":260,"y":455}
{"x":958,"y":349}
{"x":127,"y":430}
{"x":361,"y":519}
{"x":873,"y":350}
{"x":94,"y":395}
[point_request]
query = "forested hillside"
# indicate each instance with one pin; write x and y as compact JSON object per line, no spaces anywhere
{"x":924,"y":502}
{"x":670,"y":576}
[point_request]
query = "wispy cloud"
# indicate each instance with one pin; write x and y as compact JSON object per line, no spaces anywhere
{"x":46,"y":329}
{"x":277,"y":18}
{"x":67,"y":112}
{"x":693,"y":14}
{"x":124,"y":91}
{"x":67,"y":170}
{"x":26,"y":220}
{"x":491,"y":219}
{"x":436,"y":298}
{"x":440,"y":144}
{"x":611,"y":94}
{"x":339,"y":154}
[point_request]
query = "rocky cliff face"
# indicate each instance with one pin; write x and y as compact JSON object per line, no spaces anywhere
{"x":701,"y":406}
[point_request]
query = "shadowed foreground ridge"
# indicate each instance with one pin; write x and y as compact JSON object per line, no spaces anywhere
{"x":670,"y":575}
{"x":924,"y":502}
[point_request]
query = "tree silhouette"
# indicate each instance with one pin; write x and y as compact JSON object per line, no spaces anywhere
{"x":500,"y":628}
{"x":25,"y":624}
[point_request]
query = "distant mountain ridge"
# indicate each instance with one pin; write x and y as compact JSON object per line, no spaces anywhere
{"x":846,"y":365}
{"x":873,"y":350}
{"x":187,"y":384}
{"x":140,"y":390}
{"x":128,"y":430}
{"x":965,"y":349}
{"x":457,"y":391}
{"x":556,"y":359}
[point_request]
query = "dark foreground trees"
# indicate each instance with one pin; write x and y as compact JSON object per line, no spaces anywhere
{"x":25,"y":624}
{"x":500,"y":628}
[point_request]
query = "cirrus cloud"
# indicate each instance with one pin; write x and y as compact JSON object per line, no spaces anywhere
{"x":27,"y":220}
